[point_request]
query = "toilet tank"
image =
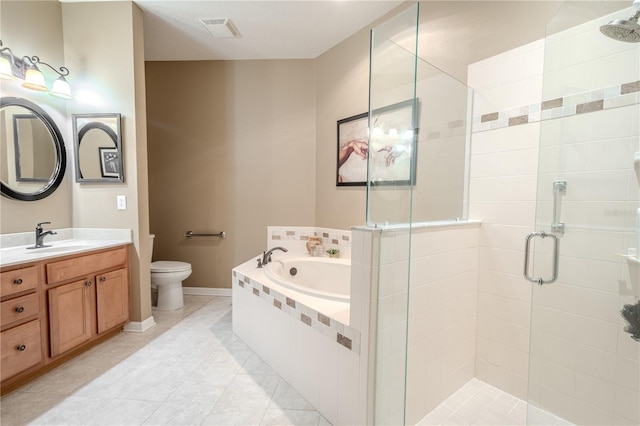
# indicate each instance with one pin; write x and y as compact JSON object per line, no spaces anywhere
{"x":151,"y":237}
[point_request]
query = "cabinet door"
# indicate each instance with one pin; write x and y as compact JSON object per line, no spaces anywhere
{"x":70,"y":314}
{"x":20,"y":349}
{"x":112,"y":299}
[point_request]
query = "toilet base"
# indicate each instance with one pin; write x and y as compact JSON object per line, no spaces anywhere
{"x":170,"y":297}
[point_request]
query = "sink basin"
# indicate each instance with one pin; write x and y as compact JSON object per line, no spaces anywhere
{"x":61,"y":248}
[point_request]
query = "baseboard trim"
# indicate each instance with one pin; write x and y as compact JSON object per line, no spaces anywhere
{"x":140,"y":327}
{"x":207,"y":291}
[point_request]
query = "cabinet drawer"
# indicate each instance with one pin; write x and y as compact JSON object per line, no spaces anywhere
{"x":85,"y":265}
{"x":15,"y":310}
{"x":18,"y":280}
{"x":21,"y":349}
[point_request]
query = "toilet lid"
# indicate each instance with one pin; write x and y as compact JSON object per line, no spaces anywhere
{"x":169,"y":266}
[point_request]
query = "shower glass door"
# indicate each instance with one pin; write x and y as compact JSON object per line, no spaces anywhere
{"x":582,"y":258}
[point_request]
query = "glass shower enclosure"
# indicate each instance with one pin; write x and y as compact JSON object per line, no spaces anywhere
{"x":580,"y":260}
{"x":584,"y":269}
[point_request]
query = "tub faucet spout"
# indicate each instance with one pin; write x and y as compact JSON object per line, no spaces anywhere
{"x":266,"y":256}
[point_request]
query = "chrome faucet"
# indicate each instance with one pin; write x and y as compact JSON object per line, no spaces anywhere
{"x":266,"y":256}
{"x":40,"y":235}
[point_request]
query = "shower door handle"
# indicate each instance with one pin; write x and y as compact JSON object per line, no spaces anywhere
{"x":527,"y":250}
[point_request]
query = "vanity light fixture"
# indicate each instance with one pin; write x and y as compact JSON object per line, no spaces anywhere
{"x":26,"y":68}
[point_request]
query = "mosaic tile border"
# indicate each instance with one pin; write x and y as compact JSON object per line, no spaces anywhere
{"x":582,"y":103}
{"x":340,"y":333}
{"x":336,"y":237}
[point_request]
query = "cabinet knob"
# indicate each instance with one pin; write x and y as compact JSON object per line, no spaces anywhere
{"x":17,"y":281}
{"x":103,"y":279}
{"x":20,"y":309}
{"x":21,"y":348}
{"x":88,"y":283}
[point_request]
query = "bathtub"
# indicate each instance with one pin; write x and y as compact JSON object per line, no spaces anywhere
{"x":322,"y":277}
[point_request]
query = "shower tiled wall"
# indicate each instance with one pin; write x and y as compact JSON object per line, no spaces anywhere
{"x":441,"y":320}
{"x":583,"y":368}
{"x":503,"y":180}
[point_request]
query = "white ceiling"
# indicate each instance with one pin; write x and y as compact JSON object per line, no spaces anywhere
{"x":268,"y":29}
{"x":453,"y":33}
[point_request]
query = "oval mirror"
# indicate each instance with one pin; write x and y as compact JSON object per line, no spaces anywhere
{"x":32,"y":153}
{"x":98,"y":147}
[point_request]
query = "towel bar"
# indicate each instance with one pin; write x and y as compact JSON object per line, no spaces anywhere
{"x":190,"y":234}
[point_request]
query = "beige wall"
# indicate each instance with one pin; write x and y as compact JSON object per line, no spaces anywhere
{"x":342,"y":90}
{"x":44,"y":39}
{"x":231,"y":148}
{"x":103,"y":48}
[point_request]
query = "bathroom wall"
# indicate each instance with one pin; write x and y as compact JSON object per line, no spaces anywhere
{"x":44,"y":39}
{"x":93,"y":40}
{"x":342,"y":90}
{"x":103,"y":48}
{"x":231,"y":148}
{"x":583,"y":367}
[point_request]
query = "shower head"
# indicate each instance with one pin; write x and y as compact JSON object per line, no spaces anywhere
{"x":627,"y":30}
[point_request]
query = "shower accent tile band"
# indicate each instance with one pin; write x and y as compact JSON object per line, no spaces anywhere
{"x":581,"y":103}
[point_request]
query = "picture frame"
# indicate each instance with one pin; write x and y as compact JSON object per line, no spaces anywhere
{"x":109,"y":162}
{"x":383,"y":152}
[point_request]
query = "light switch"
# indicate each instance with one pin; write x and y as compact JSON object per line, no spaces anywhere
{"x":122,"y":202}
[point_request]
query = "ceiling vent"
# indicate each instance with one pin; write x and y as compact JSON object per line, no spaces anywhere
{"x":220,"y":28}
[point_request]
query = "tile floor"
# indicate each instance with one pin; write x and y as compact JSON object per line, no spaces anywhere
{"x":190,"y":369}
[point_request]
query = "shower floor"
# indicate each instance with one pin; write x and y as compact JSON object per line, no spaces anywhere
{"x":478,"y":403}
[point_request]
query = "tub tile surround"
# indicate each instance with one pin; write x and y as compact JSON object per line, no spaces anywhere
{"x":580,"y":366}
{"x":295,"y":238}
{"x":335,"y":330}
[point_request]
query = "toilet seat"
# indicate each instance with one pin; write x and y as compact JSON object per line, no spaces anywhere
{"x":166,"y":266}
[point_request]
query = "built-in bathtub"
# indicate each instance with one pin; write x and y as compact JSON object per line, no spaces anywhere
{"x":298,"y":321}
{"x":321,"y":277}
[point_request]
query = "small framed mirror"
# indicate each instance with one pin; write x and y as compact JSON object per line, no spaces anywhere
{"x":98,"y":147}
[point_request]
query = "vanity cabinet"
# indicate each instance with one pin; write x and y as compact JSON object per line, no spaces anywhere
{"x":93,"y":299}
{"x":54,"y":309}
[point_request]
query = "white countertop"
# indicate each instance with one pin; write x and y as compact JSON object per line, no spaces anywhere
{"x":14,"y":248}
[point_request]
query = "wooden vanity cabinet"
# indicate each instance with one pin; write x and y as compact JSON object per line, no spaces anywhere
{"x":54,"y":309}
{"x":87,"y":297}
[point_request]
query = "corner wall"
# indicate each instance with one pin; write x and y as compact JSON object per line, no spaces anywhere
{"x":103,"y":49}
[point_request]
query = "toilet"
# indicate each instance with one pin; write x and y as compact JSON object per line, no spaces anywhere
{"x":166,"y":278}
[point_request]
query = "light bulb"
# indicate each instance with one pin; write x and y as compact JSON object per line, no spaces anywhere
{"x":5,"y":69}
{"x":61,"y":88}
{"x":34,"y":80}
